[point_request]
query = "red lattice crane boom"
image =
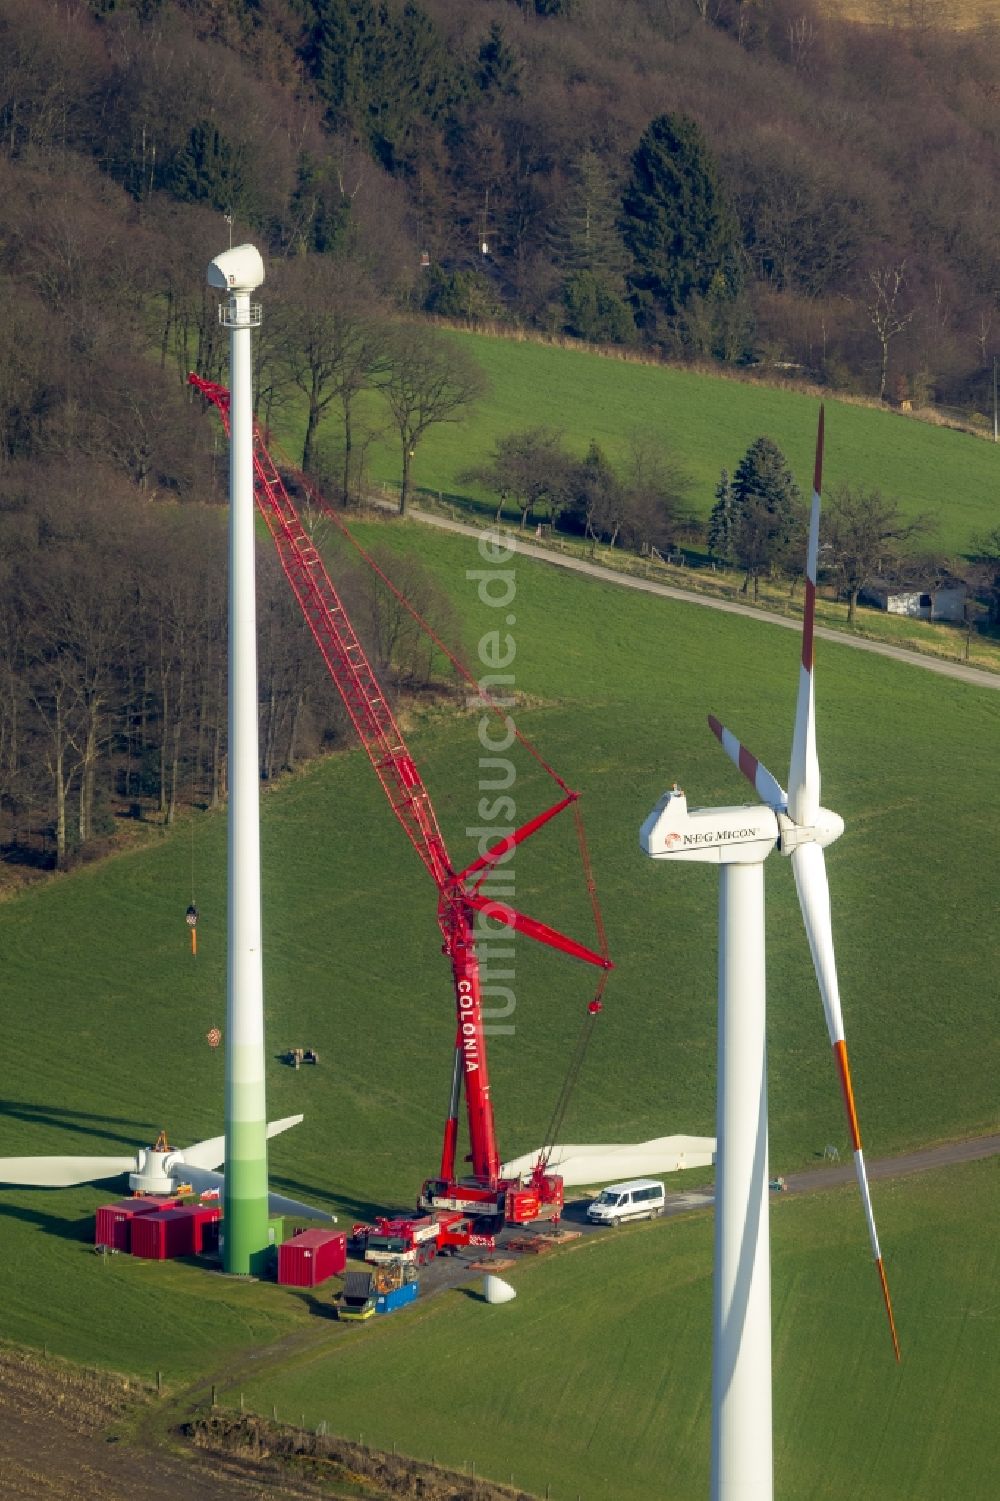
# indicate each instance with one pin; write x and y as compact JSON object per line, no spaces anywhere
{"x":460,"y":894}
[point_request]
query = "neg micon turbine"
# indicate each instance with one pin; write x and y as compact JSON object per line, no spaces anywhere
{"x":739,"y":840}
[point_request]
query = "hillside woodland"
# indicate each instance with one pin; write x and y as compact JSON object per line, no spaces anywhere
{"x":754,"y":182}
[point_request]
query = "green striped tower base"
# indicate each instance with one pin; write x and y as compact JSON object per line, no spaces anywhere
{"x":245,"y":1204}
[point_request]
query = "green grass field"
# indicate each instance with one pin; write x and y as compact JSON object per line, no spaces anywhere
{"x":597,"y":1378}
{"x":106,"y":1012}
{"x":707,"y":423}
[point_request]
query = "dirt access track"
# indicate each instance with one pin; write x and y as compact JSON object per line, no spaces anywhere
{"x":72,"y":1435}
{"x":960,"y":671}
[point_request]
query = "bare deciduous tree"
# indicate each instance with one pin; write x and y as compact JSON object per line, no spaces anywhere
{"x":332,"y":344}
{"x":866,"y":532}
{"x":428,"y":380}
{"x":885,"y":313}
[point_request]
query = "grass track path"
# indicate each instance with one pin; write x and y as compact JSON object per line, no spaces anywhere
{"x":974,"y":675}
{"x":156,"y":1464}
{"x":291,"y":1347}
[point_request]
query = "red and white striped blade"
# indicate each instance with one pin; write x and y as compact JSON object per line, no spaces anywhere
{"x":809,"y":867}
{"x":767,"y":787}
{"x":803,"y":775}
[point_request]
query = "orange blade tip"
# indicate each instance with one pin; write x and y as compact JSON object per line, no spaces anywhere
{"x":888,"y":1308}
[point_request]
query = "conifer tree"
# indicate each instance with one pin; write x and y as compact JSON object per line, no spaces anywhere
{"x":767,"y":506}
{"x":676,"y":221}
{"x":722,"y":521}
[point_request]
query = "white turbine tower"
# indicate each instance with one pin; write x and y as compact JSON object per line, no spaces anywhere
{"x":240,"y":272}
{"x":739,"y":840}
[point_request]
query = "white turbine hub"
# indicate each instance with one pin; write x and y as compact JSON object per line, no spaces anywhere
{"x":154,"y":1171}
{"x":828,"y":827}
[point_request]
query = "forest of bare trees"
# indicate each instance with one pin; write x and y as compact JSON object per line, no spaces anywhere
{"x":517,"y":161}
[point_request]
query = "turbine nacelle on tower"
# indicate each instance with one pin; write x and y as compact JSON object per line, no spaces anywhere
{"x":240,"y":269}
{"x":714,"y":836}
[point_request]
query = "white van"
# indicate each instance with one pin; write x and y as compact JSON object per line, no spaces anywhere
{"x":639,"y":1199}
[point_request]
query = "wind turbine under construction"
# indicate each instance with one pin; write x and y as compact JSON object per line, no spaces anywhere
{"x":739,"y":840}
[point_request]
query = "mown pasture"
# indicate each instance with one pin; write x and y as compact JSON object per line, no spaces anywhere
{"x":706,"y":423}
{"x":106,"y":1012}
{"x":596,"y":1380}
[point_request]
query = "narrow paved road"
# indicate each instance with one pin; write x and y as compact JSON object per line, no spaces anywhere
{"x":975,"y":675}
{"x":830,"y":1175}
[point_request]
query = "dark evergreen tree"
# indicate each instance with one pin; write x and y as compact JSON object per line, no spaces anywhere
{"x":381,"y":75}
{"x":722,"y":521}
{"x":596,"y":310}
{"x":767,"y":508}
{"x":676,"y":221}
{"x":585,"y":235}
{"x":498,"y":68}
{"x":335,"y":51}
{"x":319,"y":210}
{"x":209,"y":170}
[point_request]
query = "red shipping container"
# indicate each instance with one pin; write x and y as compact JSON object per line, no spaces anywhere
{"x":158,"y":1237}
{"x":184,"y":1230}
{"x":113,"y":1227}
{"x":309,"y":1258}
{"x":205,"y":1220}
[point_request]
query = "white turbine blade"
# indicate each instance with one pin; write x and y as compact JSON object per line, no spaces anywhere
{"x":767,"y":787}
{"x":62,"y":1172}
{"x":604,"y":1162}
{"x":201,"y":1180}
{"x":809,"y":868}
{"x":212,"y":1152}
{"x":207,"y":1154}
{"x":809,"y":865}
{"x":278,"y":1204}
{"x":803,"y":775}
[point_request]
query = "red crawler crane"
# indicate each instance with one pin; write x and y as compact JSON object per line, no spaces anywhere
{"x":460,"y":894}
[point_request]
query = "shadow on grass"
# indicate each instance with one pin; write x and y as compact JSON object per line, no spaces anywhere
{"x":470,"y":1292}
{"x":318,"y":1306}
{"x":347,"y":1209}
{"x":73,"y":1120}
{"x":81,"y":1230}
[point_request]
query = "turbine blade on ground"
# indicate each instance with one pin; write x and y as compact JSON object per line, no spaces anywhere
{"x":212,"y":1152}
{"x":803,"y":775}
{"x":62,"y":1172}
{"x":578,"y":1163}
{"x":201,"y":1180}
{"x":767,"y":787}
{"x":809,"y":866}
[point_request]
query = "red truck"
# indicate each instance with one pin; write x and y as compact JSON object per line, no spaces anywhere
{"x":507,"y":1200}
{"x":417,"y":1240}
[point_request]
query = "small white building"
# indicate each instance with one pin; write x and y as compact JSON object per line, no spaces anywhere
{"x":941,"y":601}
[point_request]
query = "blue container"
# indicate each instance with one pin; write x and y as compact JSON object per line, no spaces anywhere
{"x":398,"y":1298}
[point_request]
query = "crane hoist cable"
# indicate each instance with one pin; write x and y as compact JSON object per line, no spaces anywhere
{"x":322,"y":504}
